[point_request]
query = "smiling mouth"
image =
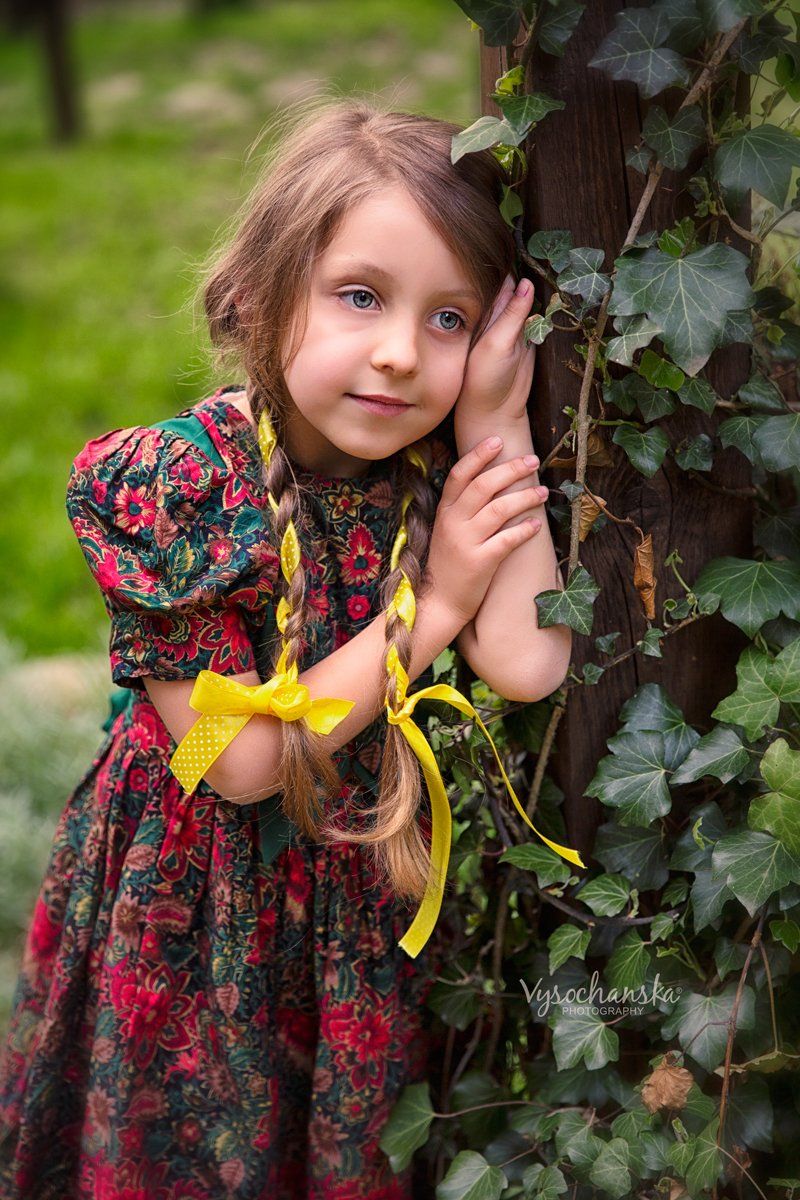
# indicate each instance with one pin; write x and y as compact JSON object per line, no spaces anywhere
{"x":387,"y":400}
{"x":384,"y":408}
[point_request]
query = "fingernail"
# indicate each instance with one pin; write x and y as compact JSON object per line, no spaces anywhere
{"x":530,"y":460}
{"x":524,"y":287}
{"x":493,"y":442}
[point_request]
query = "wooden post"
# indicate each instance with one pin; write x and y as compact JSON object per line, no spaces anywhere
{"x":578,"y":180}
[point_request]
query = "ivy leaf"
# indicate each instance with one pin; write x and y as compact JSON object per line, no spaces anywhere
{"x":699,"y":394}
{"x":750,"y":1114}
{"x":609,"y":1171}
{"x":721,"y":15}
{"x":408,"y":1125}
{"x":630,"y":958}
{"x":778,"y":811}
{"x":701,"y":1023}
{"x":709,"y":896}
{"x":481,"y":135}
{"x":754,"y":865}
{"x":704,"y":1169}
{"x":689,"y":297}
{"x":571,"y":606}
{"x":777,"y":440}
{"x":697,"y":455}
{"x":636,"y":852}
{"x":634,"y":333}
{"x":549,"y":866}
{"x":650,"y":707}
{"x":499,"y":19}
{"x":660,"y":371}
{"x":707,"y":825}
{"x":761,"y":158}
{"x":761,"y":394}
{"x":456,"y":1006}
{"x":674,"y":140}
{"x":583,"y":277}
{"x":635,"y":50}
{"x":471,"y":1178}
{"x":606,"y":895}
{"x":633,"y":777}
{"x":522,"y":112}
{"x":567,"y":942}
{"x":543,"y":1183}
{"x":558,"y":25}
{"x":752,"y":592}
{"x":582,"y":1036}
{"x":739,"y":431}
{"x":753,"y":705}
{"x":645,"y":448}
{"x":553,"y":245}
{"x":787,"y":932}
{"x":719,"y":753}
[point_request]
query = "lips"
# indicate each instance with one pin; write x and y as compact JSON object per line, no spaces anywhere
{"x":391,"y":401}
{"x":380,"y":407}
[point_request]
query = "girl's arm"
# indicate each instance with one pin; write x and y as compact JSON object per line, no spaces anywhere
{"x":246,"y":770}
{"x":503,"y":643}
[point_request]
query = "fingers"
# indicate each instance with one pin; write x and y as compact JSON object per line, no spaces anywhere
{"x":501,"y":300}
{"x":499,"y":510}
{"x":502,"y":543}
{"x":511,"y":308}
{"x":493,"y":480}
{"x":468,"y":468}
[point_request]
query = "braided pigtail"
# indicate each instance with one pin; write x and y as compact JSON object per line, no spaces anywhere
{"x":400,"y":854}
{"x":303,"y":752}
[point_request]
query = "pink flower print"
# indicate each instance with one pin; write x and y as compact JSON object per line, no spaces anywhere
{"x":362,"y":562}
{"x":99,"y":490}
{"x":357,"y":607}
{"x":152,"y":1009}
{"x":221,"y":549}
{"x":134,"y":509}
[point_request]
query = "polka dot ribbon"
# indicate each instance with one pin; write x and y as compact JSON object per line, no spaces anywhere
{"x":403,"y":602}
{"x":226,"y":705}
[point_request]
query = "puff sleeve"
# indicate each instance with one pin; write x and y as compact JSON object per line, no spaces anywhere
{"x":179,"y":550}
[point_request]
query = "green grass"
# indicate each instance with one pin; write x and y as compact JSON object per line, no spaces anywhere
{"x":99,"y":241}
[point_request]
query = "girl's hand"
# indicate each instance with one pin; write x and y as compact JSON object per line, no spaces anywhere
{"x":499,"y":370}
{"x":466,"y":548}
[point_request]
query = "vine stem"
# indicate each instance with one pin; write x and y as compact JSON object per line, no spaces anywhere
{"x":755,"y":942}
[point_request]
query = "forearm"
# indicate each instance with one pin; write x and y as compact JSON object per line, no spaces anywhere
{"x":505,"y":629}
{"x":247,"y":768}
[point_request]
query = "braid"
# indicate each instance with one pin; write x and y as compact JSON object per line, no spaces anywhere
{"x":303,"y":752}
{"x":400,"y":854}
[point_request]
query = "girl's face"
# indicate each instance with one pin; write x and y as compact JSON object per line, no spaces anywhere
{"x":390,"y":313}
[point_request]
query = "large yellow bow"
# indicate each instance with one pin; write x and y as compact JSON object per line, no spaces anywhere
{"x":227,"y":706}
{"x":423,"y":924}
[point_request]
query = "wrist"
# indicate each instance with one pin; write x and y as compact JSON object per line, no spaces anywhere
{"x":515,"y":432}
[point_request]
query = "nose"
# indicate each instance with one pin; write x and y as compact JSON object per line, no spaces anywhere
{"x":395,"y":346}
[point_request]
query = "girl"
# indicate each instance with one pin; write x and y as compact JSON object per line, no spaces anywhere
{"x":214,"y":999}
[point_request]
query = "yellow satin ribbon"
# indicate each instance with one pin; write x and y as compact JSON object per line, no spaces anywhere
{"x":423,"y":924}
{"x":226,"y":707}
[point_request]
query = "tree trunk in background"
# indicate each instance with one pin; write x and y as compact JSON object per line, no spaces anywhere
{"x":52,"y":21}
{"x":578,"y":180}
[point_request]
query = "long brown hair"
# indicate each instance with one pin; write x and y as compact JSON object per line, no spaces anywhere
{"x":341,"y":151}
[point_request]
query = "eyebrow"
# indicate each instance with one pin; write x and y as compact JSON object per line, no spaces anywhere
{"x":368,"y":268}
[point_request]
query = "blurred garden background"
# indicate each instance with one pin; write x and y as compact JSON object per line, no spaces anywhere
{"x":101,"y":237}
{"x":100,"y":240}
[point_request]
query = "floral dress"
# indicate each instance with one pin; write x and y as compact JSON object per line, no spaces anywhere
{"x":190,"y":1021}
